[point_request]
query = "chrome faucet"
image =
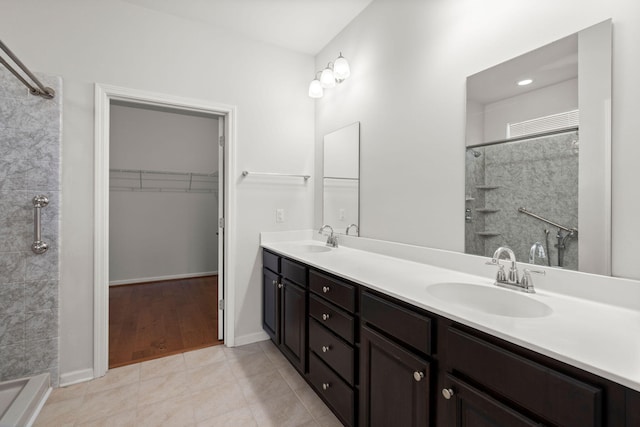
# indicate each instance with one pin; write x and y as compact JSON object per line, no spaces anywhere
{"x":512,"y":281}
{"x":332,"y":240}
{"x":536,"y":251}
{"x":352,"y":225}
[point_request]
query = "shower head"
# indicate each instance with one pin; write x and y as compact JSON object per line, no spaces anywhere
{"x":476,"y":153}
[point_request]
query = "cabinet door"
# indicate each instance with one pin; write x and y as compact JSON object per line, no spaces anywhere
{"x":394,"y":383}
{"x":270,"y":304}
{"x":293,"y":338}
{"x":473,"y":408}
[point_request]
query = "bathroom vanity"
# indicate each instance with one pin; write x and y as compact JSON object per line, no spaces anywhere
{"x":381,"y":351}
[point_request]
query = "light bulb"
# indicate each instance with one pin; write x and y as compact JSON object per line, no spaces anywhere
{"x":315,"y":89}
{"x":341,"y":69}
{"x":327,"y":78}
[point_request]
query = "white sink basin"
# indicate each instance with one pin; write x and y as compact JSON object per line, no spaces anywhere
{"x":492,"y":300}
{"x":308,"y":248}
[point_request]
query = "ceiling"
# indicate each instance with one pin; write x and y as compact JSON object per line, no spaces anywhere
{"x":548,"y":65}
{"x":301,"y":25}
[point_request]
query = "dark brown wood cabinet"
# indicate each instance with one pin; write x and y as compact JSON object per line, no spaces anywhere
{"x":271,"y":304}
{"x":550,"y":396}
{"x":333,"y":343}
{"x":293,"y":332}
{"x":394,"y":383}
{"x":471,"y":407}
{"x":284,"y":316}
{"x":378,"y":361}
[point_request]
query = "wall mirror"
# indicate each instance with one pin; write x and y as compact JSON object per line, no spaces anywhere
{"x":537,"y":165}
{"x":341,"y":180}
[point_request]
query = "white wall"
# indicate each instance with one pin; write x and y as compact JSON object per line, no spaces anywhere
{"x":154,"y":235}
{"x":409,"y":62}
{"x":121,"y":44}
{"x":554,"y":99}
{"x":340,"y":204}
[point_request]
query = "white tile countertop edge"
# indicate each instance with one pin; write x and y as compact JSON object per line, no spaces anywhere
{"x":586,"y":329}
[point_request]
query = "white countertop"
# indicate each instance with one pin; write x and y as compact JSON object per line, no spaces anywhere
{"x":600,"y":338}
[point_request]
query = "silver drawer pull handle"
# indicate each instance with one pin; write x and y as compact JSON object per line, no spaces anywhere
{"x":418,"y":376}
{"x":447,"y":393}
{"x":38,"y":246}
{"x":326,"y":289}
{"x":326,"y":348}
{"x":325,"y":316}
{"x":325,"y":386}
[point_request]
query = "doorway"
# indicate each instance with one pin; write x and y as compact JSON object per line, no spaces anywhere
{"x":106,"y":98}
{"x":163,"y":231}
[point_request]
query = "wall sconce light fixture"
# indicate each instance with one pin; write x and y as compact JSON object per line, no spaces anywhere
{"x":335,"y":72}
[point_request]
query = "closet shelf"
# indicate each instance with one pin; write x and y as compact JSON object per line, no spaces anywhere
{"x":162,"y":181}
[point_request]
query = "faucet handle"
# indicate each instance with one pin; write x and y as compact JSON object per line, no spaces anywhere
{"x":493,"y":261}
{"x":527,"y":282}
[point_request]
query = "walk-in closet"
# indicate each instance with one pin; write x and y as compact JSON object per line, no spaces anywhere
{"x":163,"y":232}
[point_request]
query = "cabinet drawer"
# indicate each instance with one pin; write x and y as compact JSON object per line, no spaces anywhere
{"x":295,"y":272}
{"x":271,"y":261}
{"x":552,"y":395}
{"x":336,"y":392}
{"x":333,"y":318}
{"x":407,"y":326}
{"x":335,"y":352}
{"x":339,"y":293}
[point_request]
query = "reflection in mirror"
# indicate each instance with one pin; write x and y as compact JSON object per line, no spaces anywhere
{"x":539,"y":175}
{"x":537,"y":160}
{"x":341,"y":180}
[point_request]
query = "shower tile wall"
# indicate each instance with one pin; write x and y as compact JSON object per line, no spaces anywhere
{"x":540,"y":175}
{"x":30,"y":137}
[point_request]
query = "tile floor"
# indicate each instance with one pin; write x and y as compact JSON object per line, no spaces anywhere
{"x":252,"y":385}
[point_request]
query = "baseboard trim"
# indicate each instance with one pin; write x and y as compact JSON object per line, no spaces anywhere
{"x":250,"y":338}
{"x":76,"y":377}
{"x":160,"y":278}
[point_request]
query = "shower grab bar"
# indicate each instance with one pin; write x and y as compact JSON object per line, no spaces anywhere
{"x":38,"y":246}
{"x":306,"y":177}
{"x":41,"y":90}
{"x":555,"y":224}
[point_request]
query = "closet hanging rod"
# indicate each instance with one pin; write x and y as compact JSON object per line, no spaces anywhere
{"x":306,"y":177}
{"x":41,"y":90}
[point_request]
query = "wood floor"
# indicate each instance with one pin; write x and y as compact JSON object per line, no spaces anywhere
{"x":156,"y":319}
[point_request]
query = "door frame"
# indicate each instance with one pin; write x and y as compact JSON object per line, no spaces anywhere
{"x":104,"y":94}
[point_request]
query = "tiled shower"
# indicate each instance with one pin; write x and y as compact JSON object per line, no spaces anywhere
{"x":538,"y":174}
{"x":30,"y":141}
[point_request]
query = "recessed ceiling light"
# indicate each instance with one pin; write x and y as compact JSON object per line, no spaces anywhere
{"x":525,"y":82}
